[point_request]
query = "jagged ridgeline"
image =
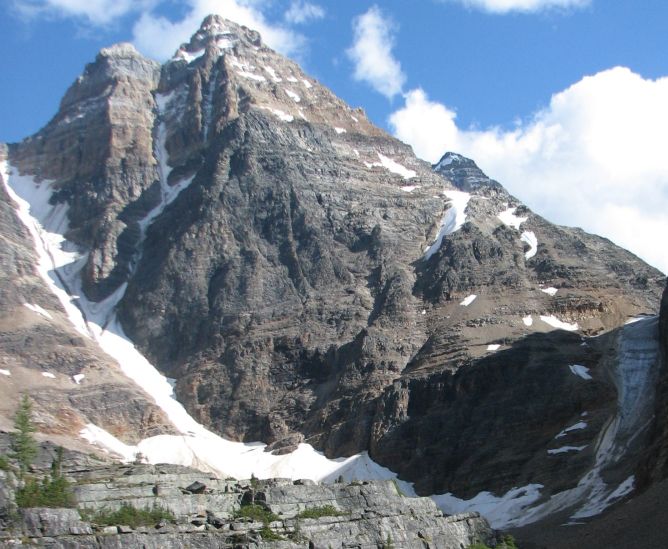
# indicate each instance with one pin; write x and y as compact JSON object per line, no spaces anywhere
{"x":303,"y":277}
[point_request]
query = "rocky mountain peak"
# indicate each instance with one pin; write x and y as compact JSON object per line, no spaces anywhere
{"x":463,"y":172}
{"x":218,"y":32}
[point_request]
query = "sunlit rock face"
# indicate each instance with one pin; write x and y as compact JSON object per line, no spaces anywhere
{"x":304,"y":277}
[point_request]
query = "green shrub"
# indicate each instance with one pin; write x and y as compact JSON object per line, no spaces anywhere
{"x":50,"y":492}
{"x":269,"y":535}
{"x":257,"y":513}
{"x":317,"y":512}
{"x":53,"y":491}
{"x":4,"y":463}
{"x":507,"y":542}
{"x":129,"y":515}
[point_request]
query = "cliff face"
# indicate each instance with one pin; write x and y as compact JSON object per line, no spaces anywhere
{"x":304,"y":277}
{"x":205,"y":511}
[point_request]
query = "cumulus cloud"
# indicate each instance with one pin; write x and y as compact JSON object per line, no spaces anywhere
{"x":595,"y":157}
{"x":97,"y":12}
{"x":301,"y":12}
{"x":526,"y":6}
{"x":159,"y":37}
{"x":371,"y":53}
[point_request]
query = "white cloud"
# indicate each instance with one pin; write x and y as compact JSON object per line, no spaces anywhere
{"x":159,"y":37}
{"x":372,"y":53}
{"x":594,"y":158}
{"x":301,"y":11}
{"x":506,"y":6}
{"x":97,"y":12}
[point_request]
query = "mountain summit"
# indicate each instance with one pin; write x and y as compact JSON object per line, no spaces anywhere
{"x":303,"y":278}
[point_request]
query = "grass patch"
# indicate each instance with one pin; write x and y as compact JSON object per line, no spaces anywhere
{"x":317,"y":512}
{"x":257,"y":513}
{"x":507,"y":542}
{"x":128,"y":515}
{"x":4,"y":463}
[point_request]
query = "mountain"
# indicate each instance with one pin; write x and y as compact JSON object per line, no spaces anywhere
{"x":301,"y":277}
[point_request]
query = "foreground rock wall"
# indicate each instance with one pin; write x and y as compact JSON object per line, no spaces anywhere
{"x":207,"y":514}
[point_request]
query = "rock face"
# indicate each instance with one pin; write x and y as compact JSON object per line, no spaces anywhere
{"x":298,"y":514}
{"x":304,"y":277}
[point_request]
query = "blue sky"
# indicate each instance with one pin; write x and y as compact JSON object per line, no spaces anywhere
{"x":563,"y":101}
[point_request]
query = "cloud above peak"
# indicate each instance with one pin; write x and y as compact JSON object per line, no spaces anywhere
{"x":525,"y":6}
{"x":95,"y":12}
{"x":593,"y":158}
{"x":371,"y":53}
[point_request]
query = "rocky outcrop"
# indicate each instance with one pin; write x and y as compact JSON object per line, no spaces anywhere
{"x":209,"y":512}
{"x":303,"y":276}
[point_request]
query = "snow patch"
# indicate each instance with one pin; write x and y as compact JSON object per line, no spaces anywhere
{"x":528,"y":320}
{"x":500,"y":511}
{"x":252,"y":76}
{"x":556,"y":323}
{"x":292,"y":79}
{"x":49,"y":375}
{"x":530,"y":238}
{"x":454,"y":218}
{"x":410,"y":188}
{"x":549,"y":291}
{"x":5,"y":372}
{"x":78,"y":378}
{"x":578,"y":426}
{"x":391,"y":166}
{"x":189,"y":57}
{"x":292,"y":95}
{"x":468,"y":300}
{"x":285,"y":117}
{"x":273,"y":74}
{"x":509,"y":218}
{"x":307,"y":84}
{"x":37,"y":309}
{"x":493,"y":347}
{"x":580,"y":371}
{"x":339,"y":130}
{"x":565,"y":449}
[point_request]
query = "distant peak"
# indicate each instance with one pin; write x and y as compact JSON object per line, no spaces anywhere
{"x":463,"y":172}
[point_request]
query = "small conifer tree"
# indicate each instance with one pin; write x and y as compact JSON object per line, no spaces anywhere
{"x":23,"y":446}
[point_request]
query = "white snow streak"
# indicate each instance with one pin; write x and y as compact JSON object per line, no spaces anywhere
{"x":549,"y":291}
{"x":556,"y":323}
{"x":339,"y":130}
{"x":578,"y":426}
{"x":391,"y":166}
{"x":493,"y":347}
{"x":5,"y":372}
{"x":468,"y":300}
{"x":285,"y":117}
{"x":564,"y":449}
{"x":78,"y":378}
{"x":530,"y":238}
{"x":581,"y":371}
{"x":273,"y":74}
{"x":49,"y":375}
{"x":292,"y":95}
{"x":528,"y":320}
{"x":37,"y":309}
{"x":509,"y":218}
{"x":454,"y":218}
{"x":410,"y":188}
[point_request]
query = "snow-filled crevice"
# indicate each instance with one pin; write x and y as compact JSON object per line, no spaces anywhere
{"x":454,"y":218}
